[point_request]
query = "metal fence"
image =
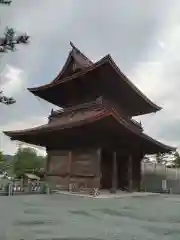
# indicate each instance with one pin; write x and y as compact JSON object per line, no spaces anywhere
{"x":16,"y":188}
{"x":155,"y":177}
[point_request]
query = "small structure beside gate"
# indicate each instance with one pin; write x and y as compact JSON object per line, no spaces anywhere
{"x":24,"y":186}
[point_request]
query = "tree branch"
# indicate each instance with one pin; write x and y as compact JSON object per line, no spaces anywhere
{"x":6,"y":100}
{"x":5,"y":2}
{"x":8,"y":42}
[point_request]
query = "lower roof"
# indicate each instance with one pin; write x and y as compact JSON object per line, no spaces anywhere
{"x":98,"y":124}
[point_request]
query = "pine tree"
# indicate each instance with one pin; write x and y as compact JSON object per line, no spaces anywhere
{"x":8,"y":43}
{"x":176,"y":160}
{"x":5,"y":2}
{"x":160,"y":158}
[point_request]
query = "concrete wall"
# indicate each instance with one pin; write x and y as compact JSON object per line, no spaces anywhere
{"x":153,"y":174}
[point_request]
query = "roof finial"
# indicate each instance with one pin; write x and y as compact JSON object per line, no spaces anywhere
{"x":74,"y":47}
{"x":76,"y":50}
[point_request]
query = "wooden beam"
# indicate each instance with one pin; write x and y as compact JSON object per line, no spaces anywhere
{"x":114,"y":173}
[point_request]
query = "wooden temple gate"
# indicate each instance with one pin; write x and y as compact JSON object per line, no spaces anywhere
{"x":88,"y":169}
{"x":99,"y":103}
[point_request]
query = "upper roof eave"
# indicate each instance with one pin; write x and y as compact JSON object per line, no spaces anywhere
{"x":107,"y":59}
{"x":74,"y":76}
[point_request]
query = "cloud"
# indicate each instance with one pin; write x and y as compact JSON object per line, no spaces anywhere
{"x":12,"y":80}
{"x":142,"y":37}
{"x":17,"y":125}
{"x":162,"y":44}
{"x":160,"y":80}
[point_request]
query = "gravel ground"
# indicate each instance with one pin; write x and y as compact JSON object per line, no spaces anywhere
{"x":53,"y":217}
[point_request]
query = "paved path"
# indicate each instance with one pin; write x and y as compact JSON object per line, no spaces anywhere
{"x":104,"y":195}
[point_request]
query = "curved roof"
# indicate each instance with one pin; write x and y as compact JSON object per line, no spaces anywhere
{"x":88,"y":116}
{"x":65,"y":120}
{"x":148,"y":105}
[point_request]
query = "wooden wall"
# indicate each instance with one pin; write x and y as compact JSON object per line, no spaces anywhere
{"x":58,"y":162}
{"x":92,"y":169}
{"x":80,"y":167}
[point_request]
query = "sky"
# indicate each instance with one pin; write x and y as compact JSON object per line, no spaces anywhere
{"x":143,"y":38}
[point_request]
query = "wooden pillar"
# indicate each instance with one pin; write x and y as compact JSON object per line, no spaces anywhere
{"x":69,"y":169}
{"x":48,"y":159}
{"x":130,"y":177}
{"x":47,"y":164}
{"x":140,"y":170}
{"x":139,"y":175}
{"x":114,"y":174}
{"x":98,"y":174}
{"x":99,"y":162}
{"x":136,"y":172}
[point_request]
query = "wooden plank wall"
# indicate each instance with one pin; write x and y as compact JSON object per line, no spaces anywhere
{"x":80,"y":167}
